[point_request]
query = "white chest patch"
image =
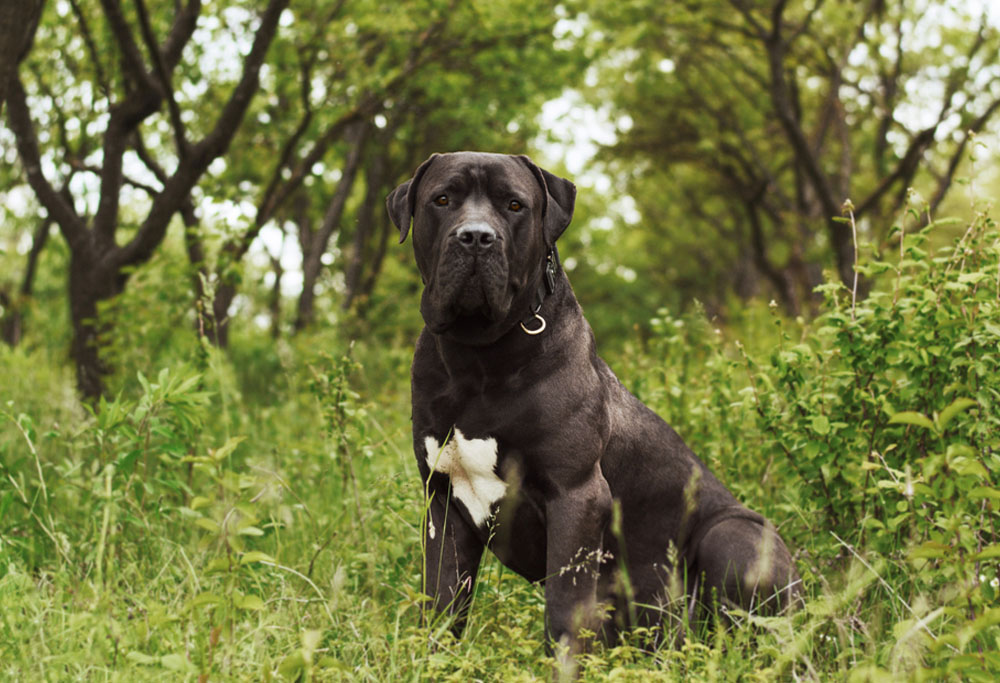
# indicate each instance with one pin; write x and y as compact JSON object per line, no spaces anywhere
{"x":470,"y":464}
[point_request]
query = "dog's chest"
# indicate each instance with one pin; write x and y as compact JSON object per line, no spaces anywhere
{"x":471,"y":465}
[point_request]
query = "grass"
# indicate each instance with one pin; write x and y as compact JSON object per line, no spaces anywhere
{"x":255,"y":516}
{"x":142,"y":591}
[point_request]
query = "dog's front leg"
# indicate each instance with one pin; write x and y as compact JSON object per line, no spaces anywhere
{"x":452,"y":553}
{"x":576,"y":520}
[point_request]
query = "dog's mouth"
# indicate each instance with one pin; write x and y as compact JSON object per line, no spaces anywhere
{"x":467,"y":296}
{"x":471,"y":300}
{"x":471,"y":310}
{"x":465,"y":325}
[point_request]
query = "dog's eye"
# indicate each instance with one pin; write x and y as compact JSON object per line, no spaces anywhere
{"x":441,"y":200}
{"x":515,"y":205}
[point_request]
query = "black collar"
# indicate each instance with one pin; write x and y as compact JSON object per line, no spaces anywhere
{"x":535,"y":324}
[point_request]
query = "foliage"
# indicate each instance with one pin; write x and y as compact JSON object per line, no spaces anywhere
{"x":873,"y":431}
{"x":261,"y":521}
{"x":254,"y":512}
{"x":758,"y":119}
{"x":122,"y":119}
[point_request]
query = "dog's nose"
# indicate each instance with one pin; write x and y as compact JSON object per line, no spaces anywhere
{"x":476,"y":236}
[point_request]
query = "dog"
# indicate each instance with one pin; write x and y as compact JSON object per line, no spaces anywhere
{"x":529,"y":445}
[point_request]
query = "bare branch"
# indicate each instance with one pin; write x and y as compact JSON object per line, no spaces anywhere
{"x":959,"y":76}
{"x":944,"y":183}
{"x":778,"y":279}
{"x":78,"y":165}
{"x":125,"y":117}
{"x":55,"y":204}
{"x":742,"y":8}
{"x":904,"y":170}
{"x":733,"y":28}
{"x":180,"y":33}
{"x":166,"y":85}
{"x":890,"y":88}
{"x":132,"y":57}
{"x":213,"y":144}
{"x":267,"y":204}
{"x":18,"y":24}
{"x":88,"y":40}
{"x":147,"y":159}
{"x":780,"y":92}
{"x":178,"y":187}
{"x":317,"y":242}
{"x":807,"y":22}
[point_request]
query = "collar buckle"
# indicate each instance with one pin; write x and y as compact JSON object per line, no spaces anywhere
{"x":551,"y":266}
{"x":545,"y":288}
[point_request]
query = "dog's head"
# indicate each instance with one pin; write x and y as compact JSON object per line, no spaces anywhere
{"x":482,"y":226}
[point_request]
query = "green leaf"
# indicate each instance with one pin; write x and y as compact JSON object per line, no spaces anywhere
{"x":141,"y":658}
{"x":144,"y":383}
{"x":205,"y":599}
{"x":912,"y":418}
{"x":177,"y":662}
{"x":207,"y":524}
{"x":256,"y":556}
{"x":222,"y":452}
{"x":972,"y":278}
{"x":949,"y":413}
{"x":293,"y":665}
{"x":981,"y":492}
{"x":930,"y":549}
{"x":251,"y":602}
{"x":311,"y":639}
{"x":188,"y":384}
{"x":821,"y":425}
{"x":219,"y":564}
{"x":988,"y":553}
{"x":200,"y":502}
{"x":963,"y":465}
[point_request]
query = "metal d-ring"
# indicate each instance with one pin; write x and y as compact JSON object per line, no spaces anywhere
{"x":534,"y":332}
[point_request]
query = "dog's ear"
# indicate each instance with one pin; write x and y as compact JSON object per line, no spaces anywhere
{"x":560,"y":199}
{"x":400,"y":201}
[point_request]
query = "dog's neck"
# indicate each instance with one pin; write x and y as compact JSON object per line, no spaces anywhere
{"x":546,"y":285}
{"x":515,"y":350}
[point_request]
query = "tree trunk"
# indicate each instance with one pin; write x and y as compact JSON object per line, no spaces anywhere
{"x":274,"y":301}
{"x":12,"y":328}
{"x":98,"y":263}
{"x":778,"y":278}
{"x":363,"y":232}
{"x":368,"y":286}
{"x":210,"y":325}
{"x":312,"y":264}
{"x":18,"y":23}
{"x":219,"y":319}
{"x":90,"y":283}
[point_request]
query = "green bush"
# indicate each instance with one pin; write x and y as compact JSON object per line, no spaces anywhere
{"x":887,"y":415}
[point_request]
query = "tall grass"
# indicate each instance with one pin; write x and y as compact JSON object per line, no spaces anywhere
{"x":256,"y":516}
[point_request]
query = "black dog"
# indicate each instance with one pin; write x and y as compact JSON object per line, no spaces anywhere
{"x":526,"y":440}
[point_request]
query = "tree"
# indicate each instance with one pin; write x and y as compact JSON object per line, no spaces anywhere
{"x":363,"y":112}
{"x":757,"y":120}
{"x":18,"y":23}
{"x":112,"y":85}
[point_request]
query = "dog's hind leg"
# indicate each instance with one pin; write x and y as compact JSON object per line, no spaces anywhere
{"x":743,"y":563}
